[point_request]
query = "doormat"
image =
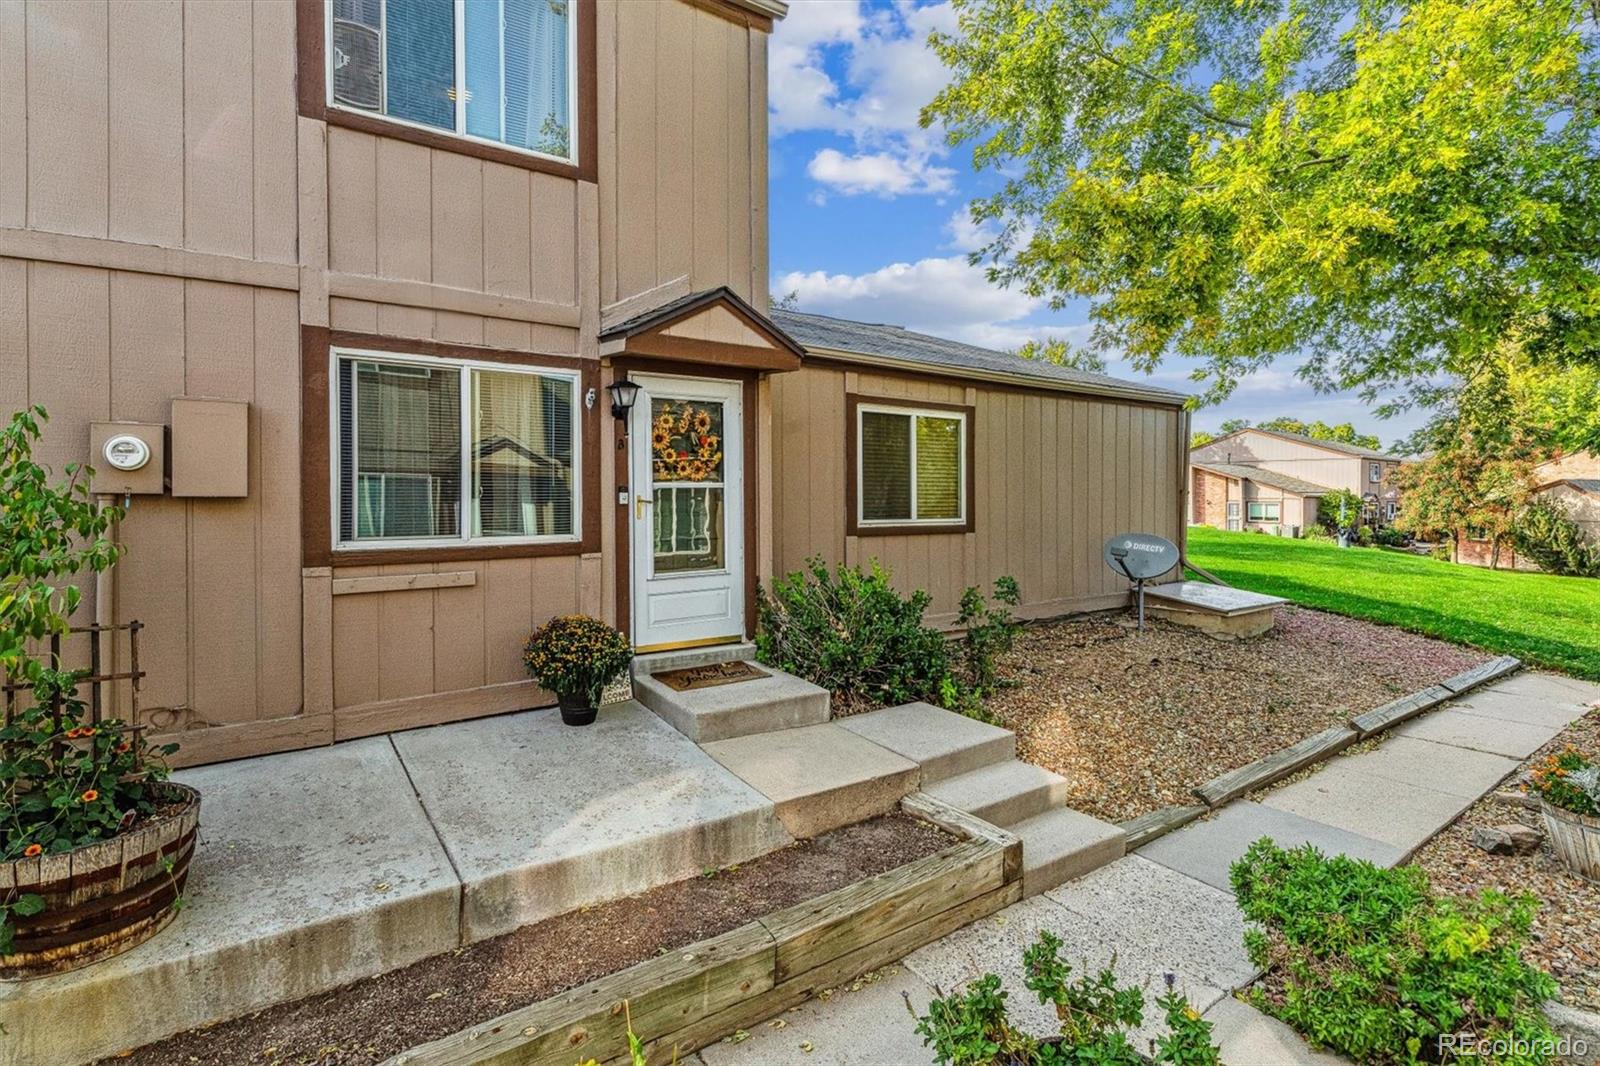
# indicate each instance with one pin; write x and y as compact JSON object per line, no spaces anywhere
{"x":710,"y":675}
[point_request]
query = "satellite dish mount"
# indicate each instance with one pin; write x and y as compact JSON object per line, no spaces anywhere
{"x":1140,"y":557}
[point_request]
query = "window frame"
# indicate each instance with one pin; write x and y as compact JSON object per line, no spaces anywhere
{"x":1375,"y":473}
{"x":466,"y":394}
{"x":574,"y":104}
{"x":856,"y":525}
{"x":1250,"y":505}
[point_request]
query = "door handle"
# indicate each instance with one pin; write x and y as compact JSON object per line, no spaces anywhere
{"x":639,"y":504}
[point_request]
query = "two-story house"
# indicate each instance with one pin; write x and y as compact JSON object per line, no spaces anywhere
{"x":402,"y":327}
{"x":1271,"y":480}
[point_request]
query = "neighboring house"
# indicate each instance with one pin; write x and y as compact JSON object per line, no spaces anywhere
{"x":954,"y":465}
{"x":1571,"y":480}
{"x":412,"y":299}
{"x":1268,"y":479}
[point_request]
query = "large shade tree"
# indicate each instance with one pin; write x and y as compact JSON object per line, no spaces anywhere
{"x":1385,"y":188}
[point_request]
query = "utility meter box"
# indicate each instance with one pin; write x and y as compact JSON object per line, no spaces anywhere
{"x":129,"y":458}
{"x":210,"y":447}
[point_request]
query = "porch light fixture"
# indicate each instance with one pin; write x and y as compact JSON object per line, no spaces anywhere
{"x":623,"y":393}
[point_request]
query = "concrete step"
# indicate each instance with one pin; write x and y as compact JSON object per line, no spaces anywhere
{"x":777,"y":701}
{"x":1003,"y":794}
{"x":819,"y":777}
{"x":943,"y":743}
{"x":1062,"y":844}
{"x":659,"y":662}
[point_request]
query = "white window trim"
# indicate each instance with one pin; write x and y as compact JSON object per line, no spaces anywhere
{"x":1374,"y":473}
{"x":467,"y":501}
{"x":460,"y":132}
{"x":861,"y":474}
{"x":1264,"y":504}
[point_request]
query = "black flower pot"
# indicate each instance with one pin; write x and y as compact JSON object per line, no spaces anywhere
{"x":576,"y":708}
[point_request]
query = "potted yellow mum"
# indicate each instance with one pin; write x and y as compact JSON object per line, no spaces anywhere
{"x":576,"y":657}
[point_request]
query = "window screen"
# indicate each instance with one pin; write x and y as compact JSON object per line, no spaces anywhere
{"x":522,"y":455}
{"x":911,"y":466}
{"x":399,"y":58}
{"x":400,"y":463}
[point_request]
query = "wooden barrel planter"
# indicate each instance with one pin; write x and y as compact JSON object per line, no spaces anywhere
{"x":1575,"y":839}
{"x":103,"y":898}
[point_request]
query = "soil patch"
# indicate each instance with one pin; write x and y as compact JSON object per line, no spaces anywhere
{"x":1133,"y":721}
{"x":370,"y":1020}
{"x":1566,"y":930}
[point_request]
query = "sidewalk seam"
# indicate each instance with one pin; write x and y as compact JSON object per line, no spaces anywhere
{"x":461,"y":884}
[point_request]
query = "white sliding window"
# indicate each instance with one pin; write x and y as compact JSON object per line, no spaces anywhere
{"x":403,"y":478}
{"x":498,"y":71}
{"x":910,"y":466}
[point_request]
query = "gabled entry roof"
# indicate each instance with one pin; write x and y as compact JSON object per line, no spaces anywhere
{"x":714,"y":326}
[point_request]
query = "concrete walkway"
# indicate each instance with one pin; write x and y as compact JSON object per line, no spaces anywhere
{"x":1168,"y":908}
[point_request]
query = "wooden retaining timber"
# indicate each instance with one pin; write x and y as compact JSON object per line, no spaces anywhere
{"x":1280,"y":764}
{"x":692,"y":997}
{"x":1492,"y":670}
{"x":1331,"y":741}
{"x":1147,"y":827}
{"x":100,"y":899}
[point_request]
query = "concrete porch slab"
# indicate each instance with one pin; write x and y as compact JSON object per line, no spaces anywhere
{"x":820,"y":777}
{"x":942,"y":742}
{"x":1549,"y":688}
{"x":539,"y":817}
{"x":1402,"y":814}
{"x":762,"y":705}
{"x":1207,"y":848}
{"x":314,"y":868}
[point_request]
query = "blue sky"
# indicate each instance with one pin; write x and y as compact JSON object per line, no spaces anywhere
{"x":869,"y":212}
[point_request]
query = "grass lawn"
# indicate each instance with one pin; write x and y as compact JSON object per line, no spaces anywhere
{"x":1544,"y":620}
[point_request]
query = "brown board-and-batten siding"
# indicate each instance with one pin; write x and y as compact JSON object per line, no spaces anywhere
{"x":1054,"y":475}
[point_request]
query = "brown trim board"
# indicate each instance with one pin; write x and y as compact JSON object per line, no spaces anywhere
{"x":738,"y":15}
{"x":852,"y":527}
{"x":316,"y":518}
{"x":311,"y":96}
{"x":953,"y":376}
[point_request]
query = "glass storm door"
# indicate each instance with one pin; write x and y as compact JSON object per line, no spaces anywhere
{"x":687,"y":458}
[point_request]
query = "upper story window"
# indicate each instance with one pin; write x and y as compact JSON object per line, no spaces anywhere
{"x":498,"y":71}
{"x":1374,"y":472}
{"x":403,"y":477}
{"x":911,"y":466}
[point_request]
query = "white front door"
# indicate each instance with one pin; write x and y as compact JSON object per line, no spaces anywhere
{"x":687,"y":457}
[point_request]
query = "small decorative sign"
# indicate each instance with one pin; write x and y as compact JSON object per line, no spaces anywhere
{"x":618,"y":691}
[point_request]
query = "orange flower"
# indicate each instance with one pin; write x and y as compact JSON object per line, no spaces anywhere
{"x":31,"y":850}
{"x":124,"y":747}
{"x":89,"y":795}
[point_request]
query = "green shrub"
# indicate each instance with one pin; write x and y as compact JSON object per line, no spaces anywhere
{"x":1441,"y":552}
{"x":1372,"y":963}
{"x":972,"y":1028}
{"x":1317,"y":532}
{"x":1390,"y":537}
{"x":1364,"y":536}
{"x":1328,"y":509}
{"x":1546,"y":533}
{"x":851,"y":632}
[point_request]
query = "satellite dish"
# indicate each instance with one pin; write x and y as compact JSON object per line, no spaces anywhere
{"x":1140,"y":557}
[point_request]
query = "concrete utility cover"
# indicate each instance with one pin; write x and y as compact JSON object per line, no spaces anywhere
{"x":1208,"y":597}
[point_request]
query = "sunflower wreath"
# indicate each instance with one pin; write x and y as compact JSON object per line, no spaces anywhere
{"x":683,"y":446}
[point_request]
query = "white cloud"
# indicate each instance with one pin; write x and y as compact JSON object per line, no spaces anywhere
{"x":966,"y":235}
{"x":944,"y":296}
{"x":888,"y":74}
{"x":880,"y":173}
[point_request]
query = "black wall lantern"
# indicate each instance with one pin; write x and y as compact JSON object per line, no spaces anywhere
{"x":623,"y":393}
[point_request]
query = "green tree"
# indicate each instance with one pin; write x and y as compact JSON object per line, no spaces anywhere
{"x":1061,"y":353}
{"x":1386,"y":187}
{"x":1344,"y":432}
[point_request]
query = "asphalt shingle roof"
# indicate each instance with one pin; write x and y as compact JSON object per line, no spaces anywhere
{"x":1333,"y":445}
{"x":895,"y":342}
{"x":1267,"y":477}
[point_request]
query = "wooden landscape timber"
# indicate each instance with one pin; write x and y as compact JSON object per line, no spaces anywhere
{"x":1147,"y":827}
{"x":691,"y":997}
{"x":1235,"y":783}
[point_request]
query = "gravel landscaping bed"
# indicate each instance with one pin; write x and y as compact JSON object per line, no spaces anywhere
{"x":1566,"y":931}
{"x":371,"y":1020}
{"x":1134,"y":721}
